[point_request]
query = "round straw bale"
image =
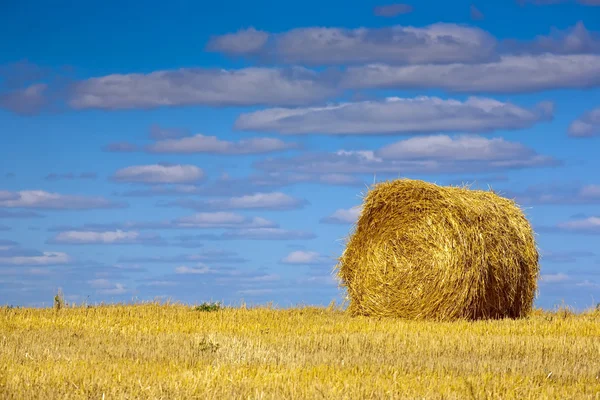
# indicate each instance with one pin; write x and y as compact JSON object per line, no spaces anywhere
{"x":422,"y":251}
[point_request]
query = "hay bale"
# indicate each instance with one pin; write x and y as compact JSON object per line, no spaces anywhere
{"x":420,"y":250}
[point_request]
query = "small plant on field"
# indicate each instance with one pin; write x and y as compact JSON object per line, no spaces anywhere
{"x":205,"y":345}
{"x":208,"y":307}
{"x":59,"y":300}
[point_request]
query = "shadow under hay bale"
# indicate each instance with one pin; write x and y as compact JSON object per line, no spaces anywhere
{"x":422,"y":251}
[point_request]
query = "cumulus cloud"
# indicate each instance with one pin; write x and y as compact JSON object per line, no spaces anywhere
{"x":39,"y":199}
{"x":574,"y":40}
{"x":460,"y":148}
{"x":13,"y":255}
{"x":26,"y":101}
{"x":203,"y":220}
{"x":587,"y":125}
{"x":222,"y":220}
{"x":157,"y":173}
{"x":27,"y":89}
{"x":343,"y":216}
{"x":46,"y":258}
{"x":558,"y":194}
{"x":436,"y":43}
{"x":105,"y":286}
{"x":244,"y":41}
{"x":267,"y":234}
{"x":164,"y":190}
{"x":589,"y":225}
{"x":428,"y":154}
{"x":158,"y":132}
{"x":213,"y":145}
{"x":554,"y":278}
{"x":198,"y":270}
{"x":251,"y":184}
{"x":565,"y":257}
{"x":264,"y":201}
{"x":212,"y":256}
{"x":109,"y":237}
{"x":212,"y":87}
{"x":509,"y":74}
{"x":301,"y":257}
{"x":397,"y":116}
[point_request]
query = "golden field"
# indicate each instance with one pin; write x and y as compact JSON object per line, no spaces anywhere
{"x":170,"y":351}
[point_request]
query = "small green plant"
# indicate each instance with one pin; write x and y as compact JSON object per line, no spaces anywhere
{"x":59,"y":300}
{"x":207,"y":345}
{"x":208,"y":307}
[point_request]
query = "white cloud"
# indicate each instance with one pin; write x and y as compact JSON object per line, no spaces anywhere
{"x":414,"y":156}
{"x":40,"y":199}
{"x":573,"y":40}
{"x":510,"y":74}
{"x":343,"y":216}
{"x":157,"y":173}
{"x":126,"y":230}
{"x":267,"y":234}
{"x":397,"y":116}
{"x":461,"y":148}
{"x":45,"y":258}
{"x":244,"y":41}
{"x":587,"y":125}
{"x":214,"y":87}
{"x":221,"y":220}
{"x":437,"y":43}
{"x":213,"y":145}
{"x":213,"y":256}
{"x":109,"y":237}
{"x":554,"y":278}
{"x":265,"y":201}
{"x":116,"y":289}
{"x":588,"y":283}
{"x":558,"y":194}
{"x":589,"y":225}
{"x":26,"y":101}
{"x":274,"y":200}
{"x":198,"y":270}
{"x":304,"y":257}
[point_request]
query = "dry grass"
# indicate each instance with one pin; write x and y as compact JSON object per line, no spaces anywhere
{"x":155,"y":351}
{"x":424,"y":251}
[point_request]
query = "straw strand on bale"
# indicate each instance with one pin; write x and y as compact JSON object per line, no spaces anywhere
{"x":420,"y":250}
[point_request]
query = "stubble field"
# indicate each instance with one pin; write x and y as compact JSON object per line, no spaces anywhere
{"x":170,"y":351}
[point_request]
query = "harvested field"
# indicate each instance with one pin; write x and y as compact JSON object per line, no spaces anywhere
{"x":154,"y":351}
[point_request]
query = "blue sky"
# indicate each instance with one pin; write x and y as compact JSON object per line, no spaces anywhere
{"x":217,"y":151}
